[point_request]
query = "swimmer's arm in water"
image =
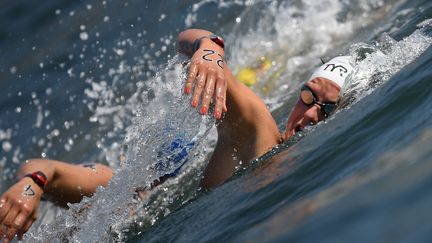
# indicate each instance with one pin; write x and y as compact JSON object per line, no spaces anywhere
{"x":247,"y":130}
{"x":206,"y":74}
{"x":66,"y":183}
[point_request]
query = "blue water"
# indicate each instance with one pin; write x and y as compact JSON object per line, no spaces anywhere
{"x":78,"y":84}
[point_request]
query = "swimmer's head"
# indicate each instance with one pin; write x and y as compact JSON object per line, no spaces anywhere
{"x":319,"y":96}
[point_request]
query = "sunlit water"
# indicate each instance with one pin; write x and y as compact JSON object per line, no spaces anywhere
{"x":84,"y":82}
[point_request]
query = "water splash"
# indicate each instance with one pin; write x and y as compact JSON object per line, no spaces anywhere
{"x":376,"y":63}
{"x":162,"y":119}
{"x":114,"y":106}
{"x":294,"y":36}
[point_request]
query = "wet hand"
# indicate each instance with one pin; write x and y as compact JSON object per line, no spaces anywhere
{"x":18,"y":209}
{"x":206,"y":75}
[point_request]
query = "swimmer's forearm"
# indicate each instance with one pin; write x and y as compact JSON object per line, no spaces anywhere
{"x":186,"y":39}
{"x":67,"y":183}
{"x":34,"y":165}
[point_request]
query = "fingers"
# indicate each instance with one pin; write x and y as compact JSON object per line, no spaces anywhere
{"x":225,"y":109}
{"x":208,"y":82}
{"x":220,"y":97}
{"x":4,"y":209}
{"x":193,"y":72}
{"x":208,"y":93}
{"x":3,"y":230}
{"x":9,"y":230}
{"x":26,"y":227}
{"x":20,"y":220}
{"x":201,"y":80}
{"x":9,"y":219}
{"x":10,"y":234}
{"x":15,"y":220}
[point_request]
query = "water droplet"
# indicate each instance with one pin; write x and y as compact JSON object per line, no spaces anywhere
{"x":119,"y":52}
{"x":13,"y":69}
{"x":55,"y":132}
{"x":83,"y":35}
{"x":7,"y":146}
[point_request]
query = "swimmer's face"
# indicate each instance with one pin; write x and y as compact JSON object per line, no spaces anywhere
{"x":303,"y":115}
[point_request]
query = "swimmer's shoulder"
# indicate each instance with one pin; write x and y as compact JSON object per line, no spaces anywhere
{"x":248,"y":118}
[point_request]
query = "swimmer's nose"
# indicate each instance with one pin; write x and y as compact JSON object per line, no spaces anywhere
{"x":311,"y":116}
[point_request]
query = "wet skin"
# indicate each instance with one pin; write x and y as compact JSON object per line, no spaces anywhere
{"x":246,"y":131}
{"x":303,"y":115}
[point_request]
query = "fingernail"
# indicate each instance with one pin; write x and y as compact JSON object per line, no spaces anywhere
{"x":194,"y":103}
{"x":187,"y":90}
{"x":203,"y":110}
{"x":217,"y":114}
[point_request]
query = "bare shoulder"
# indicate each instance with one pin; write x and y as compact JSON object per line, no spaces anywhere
{"x":248,"y":116}
{"x":247,"y":131}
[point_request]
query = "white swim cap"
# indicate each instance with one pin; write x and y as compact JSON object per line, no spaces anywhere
{"x":336,"y":70}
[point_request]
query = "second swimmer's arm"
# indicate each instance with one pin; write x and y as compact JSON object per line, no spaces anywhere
{"x":68,"y":183}
{"x":60,"y":182}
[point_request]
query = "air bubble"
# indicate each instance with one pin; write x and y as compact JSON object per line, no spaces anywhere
{"x":13,"y":70}
{"x":7,"y":146}
{"x":119,"y":52}
{"x":83,"y":36}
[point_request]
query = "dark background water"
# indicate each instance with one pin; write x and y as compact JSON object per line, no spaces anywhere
{"x":45,"y":56}
{"x":363,"y":176}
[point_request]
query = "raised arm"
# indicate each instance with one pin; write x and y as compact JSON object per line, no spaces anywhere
{"x":206,"y":77}
{"x":66,"y":183}
{"x":247,"y":129}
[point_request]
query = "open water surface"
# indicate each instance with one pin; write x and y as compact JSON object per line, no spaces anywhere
{"x":100,"y":81}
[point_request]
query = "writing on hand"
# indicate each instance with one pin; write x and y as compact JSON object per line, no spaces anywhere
{"x":209,"y":53}
{"x":28,"y":191}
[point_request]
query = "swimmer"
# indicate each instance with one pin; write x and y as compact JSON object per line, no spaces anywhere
{"x":246,"y":132}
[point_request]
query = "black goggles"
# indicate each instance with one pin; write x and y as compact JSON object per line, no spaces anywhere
{"x":309,"y":99}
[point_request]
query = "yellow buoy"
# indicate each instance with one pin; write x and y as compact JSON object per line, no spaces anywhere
{"x":249,"y":75}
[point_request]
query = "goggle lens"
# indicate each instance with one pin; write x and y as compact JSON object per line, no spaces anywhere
{"x":307,"y":97}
